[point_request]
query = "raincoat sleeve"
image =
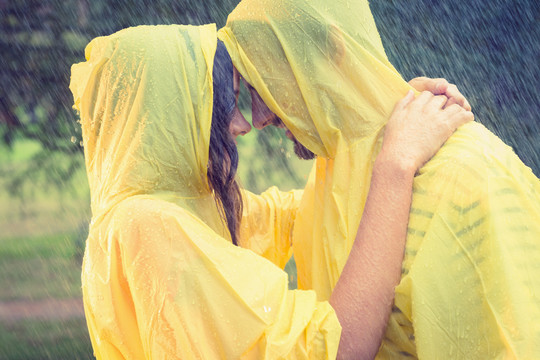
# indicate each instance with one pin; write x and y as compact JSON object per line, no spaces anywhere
{"x":470,"y":284}
{"x":196,"y":295}
{"x":267,"y":223}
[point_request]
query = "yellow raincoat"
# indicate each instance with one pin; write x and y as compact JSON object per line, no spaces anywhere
{"x":471,"y":275}
{"x":161,"y":278}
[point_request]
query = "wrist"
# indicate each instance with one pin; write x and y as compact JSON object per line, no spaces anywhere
{"x":395,"y":164}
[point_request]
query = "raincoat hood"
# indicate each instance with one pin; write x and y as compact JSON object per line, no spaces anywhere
{"x":145,"y":100}
{"x":325,"y":74}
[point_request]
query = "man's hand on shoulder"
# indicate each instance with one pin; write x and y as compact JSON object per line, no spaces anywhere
{"x":439,"y":86}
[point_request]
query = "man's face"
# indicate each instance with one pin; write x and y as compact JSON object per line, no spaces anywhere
{"x":262,"y":116}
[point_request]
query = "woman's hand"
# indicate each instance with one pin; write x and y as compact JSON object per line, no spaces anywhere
{"x":441,"y":86}
{"x":418,"y":127}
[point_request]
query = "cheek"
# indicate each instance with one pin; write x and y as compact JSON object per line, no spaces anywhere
{"x":232,"y":128}
{"x":238,"y":124}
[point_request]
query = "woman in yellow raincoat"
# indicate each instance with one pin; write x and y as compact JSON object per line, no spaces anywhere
{"x":470,"y":287}
{"x":161,"y":276}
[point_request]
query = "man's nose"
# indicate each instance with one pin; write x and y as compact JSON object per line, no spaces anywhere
{"x":260,"y":120}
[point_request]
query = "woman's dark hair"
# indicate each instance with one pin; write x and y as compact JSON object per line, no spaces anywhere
{"x":223,"y":155}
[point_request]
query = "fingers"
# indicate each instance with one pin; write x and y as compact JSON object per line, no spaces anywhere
{"x":440,"y":86}
{"x":452,"y":101}
{"x":456,"y":97}
{"x":458,"y":116}
{"x":419,"y":126}
{"x":403,"y":103}
{"x":427,"y":101}
{"x":459,"y":100}
{"x":438,"y":101}
{"x":454,"y":116}
{"x":434,"y":86}
{"x":422,"y":99}
{"x":453,"y":109}
{"x":467,"y":106}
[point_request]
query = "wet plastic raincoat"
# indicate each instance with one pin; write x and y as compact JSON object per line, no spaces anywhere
{"x":161,"y":278}
{"x":471,"y":276}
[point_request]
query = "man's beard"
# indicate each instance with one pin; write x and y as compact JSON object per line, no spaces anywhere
{"x":302,"y":152}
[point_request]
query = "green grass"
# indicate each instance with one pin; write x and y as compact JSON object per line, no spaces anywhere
{"x":47,"y":246}
{"x":33,"y":268}
{"x":41,"y":244}
{"x":38,"y":268}
{"x":32,"y":339}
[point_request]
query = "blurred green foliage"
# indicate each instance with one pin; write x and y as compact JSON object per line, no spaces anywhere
{"x":267,"y":159}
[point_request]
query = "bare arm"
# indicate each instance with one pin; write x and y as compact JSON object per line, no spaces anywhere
{"x":364,"y":293}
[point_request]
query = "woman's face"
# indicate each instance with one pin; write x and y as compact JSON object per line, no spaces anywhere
{"x":238,"y":124}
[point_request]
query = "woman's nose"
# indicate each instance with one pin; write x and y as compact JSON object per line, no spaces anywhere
{"x":239,"y":125}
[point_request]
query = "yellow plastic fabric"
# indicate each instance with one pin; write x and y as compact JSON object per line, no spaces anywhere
{"x":471,"y":276}
{"x":161,"y":278}
{"x":267,"y":223}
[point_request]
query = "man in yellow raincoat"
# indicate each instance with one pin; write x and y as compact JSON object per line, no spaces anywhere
{"x":470,"y":286}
